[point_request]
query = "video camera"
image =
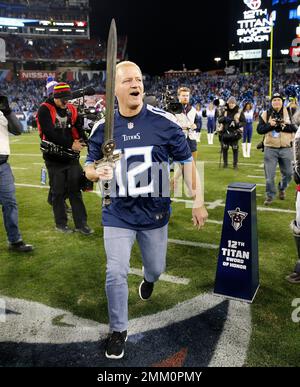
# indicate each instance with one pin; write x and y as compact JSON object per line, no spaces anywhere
{"x":170,"y":103}
{"x":90,"y":113}
{"x":278,"y":119}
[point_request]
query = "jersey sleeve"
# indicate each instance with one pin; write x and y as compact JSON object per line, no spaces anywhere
{"x":94,"y":145}
{"x":179,"y":149}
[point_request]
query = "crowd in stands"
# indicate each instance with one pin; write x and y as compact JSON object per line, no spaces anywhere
{"x":205,"y":88}
{"x":27,"y":95}
{"x":40,"y":9}
{"x":86,"y":50}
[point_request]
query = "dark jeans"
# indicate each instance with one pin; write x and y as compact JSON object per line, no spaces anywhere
{"x":9,"y":203}
{"x":65,"y":181}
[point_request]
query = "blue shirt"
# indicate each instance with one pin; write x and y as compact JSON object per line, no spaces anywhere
{"x":147,"y":142}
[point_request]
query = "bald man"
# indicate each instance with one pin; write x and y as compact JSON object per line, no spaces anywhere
{"x":140,"y":209}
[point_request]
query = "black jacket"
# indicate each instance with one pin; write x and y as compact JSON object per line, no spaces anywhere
{"x":231,"y":130}
{"x":57,"y":135}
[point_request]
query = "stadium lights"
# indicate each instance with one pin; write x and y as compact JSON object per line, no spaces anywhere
{"x":217,"y":60}
{"x":79,"y":30}
{"x":53,"y":29}
{"x":67,"y":30}
{"x":40,"y":29}
{"x":12,"y":28}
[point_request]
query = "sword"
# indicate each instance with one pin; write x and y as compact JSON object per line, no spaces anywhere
{"x":109,"y":144}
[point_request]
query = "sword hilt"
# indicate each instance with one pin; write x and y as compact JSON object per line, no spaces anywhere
{"x":109,"y":158}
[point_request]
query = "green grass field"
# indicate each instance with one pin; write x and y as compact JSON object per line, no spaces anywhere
{"x":68,"y":271}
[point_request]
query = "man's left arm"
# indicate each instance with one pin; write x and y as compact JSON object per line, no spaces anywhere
{"x":195,"y":188}
{"x":180,"y":152}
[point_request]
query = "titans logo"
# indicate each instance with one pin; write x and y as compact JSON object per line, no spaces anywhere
{"x":253,"y":4}
{"x":237,"y":218}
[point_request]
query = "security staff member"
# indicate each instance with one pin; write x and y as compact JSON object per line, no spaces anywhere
{"x":9,"y":124}
{"x":60,"y":127}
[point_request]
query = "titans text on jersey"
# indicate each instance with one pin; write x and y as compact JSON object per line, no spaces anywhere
{"x":147,"y":140}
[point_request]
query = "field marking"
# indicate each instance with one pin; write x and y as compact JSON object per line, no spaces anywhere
{"x":210,"y":205}
{"x":266,"y":209}
{"x":27,"y":154}
{"x":245,"y":164}
{"x":32,"y":186}
{"x":32,"y":323}
{"x":164,"y":277}
{"x":214,"y":221}
{"x":256,"y":177}
{"x":194,"y":244}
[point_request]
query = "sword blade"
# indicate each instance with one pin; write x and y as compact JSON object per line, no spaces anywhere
{"x":111,"y":61}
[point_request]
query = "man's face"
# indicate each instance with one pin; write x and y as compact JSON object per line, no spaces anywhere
{"x":61,"y":102}
{"x":184,"y":97}
{"x":277,"y":103}
{"x":231,"y":105}
{"x":129,"y":87}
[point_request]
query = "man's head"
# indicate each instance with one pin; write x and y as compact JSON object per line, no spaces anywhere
{"x":129,"y":87}
{"x":184,"y":94}
{"x":62,"y":94}
{"x":232,"y":103}
{"x":277,"y":101}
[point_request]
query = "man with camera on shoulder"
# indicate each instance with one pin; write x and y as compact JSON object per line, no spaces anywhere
{"x":63,"y":138}
{"x":9,"y":124}
{"x":279,"y":132}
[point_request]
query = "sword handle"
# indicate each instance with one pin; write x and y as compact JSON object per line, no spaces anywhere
{"x":112,"y":159}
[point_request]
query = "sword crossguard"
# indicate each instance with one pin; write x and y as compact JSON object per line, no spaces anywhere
{"x":108,"y":148}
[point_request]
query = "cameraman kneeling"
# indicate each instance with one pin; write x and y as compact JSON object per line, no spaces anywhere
{"x":275,"y":124}
{"x":9,"y":123}
{"x":62,"y":140}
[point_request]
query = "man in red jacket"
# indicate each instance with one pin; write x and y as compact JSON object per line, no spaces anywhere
{"x":62,"y":140}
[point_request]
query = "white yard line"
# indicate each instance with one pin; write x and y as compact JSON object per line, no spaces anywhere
{"x":193,"y":244}
{"x":163,"y":277}
{"x":27,"y":154}
{"x":246,"y":164}
{"x":269,"y":209}
{"x":32,"y":186}
{"x":263,"y":209}
{"x":256,"y":177}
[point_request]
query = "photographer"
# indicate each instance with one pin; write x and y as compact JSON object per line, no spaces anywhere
{"x":230,"y":130}
{"x":275,"y":124}
{"x":63,"y":138}
{"x":9,"y":124}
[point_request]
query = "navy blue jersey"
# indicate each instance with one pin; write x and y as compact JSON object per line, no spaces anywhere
{"x":147,"y":141}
